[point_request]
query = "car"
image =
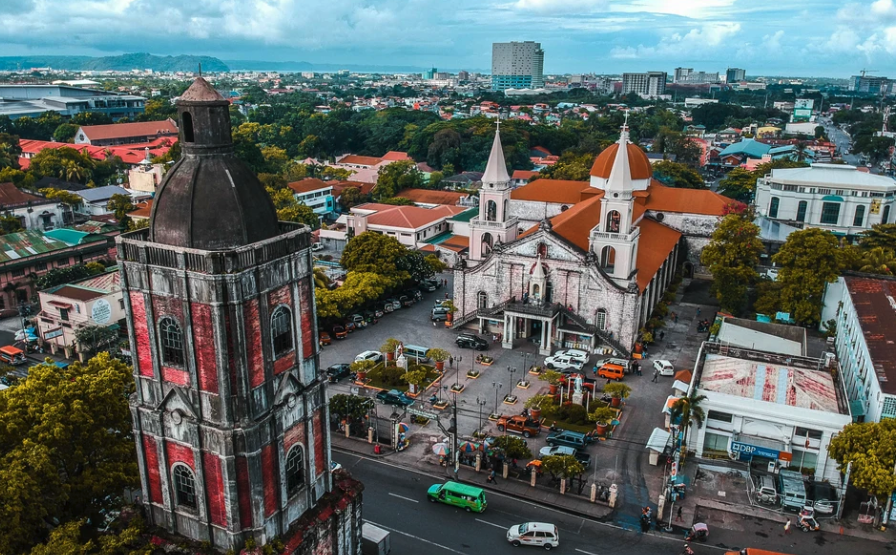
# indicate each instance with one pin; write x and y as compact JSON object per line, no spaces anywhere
{"x":664,"y":367}
{"x":377,"y":312}
{"x":471,"y":341}
{"x":324,"y":338}
{"x":339,"y":332}
{"x":441,"y":302}
{"x":406,"y":301}
{"x":564,"y":363}
{"x":396,"y":304}
{"x":574,"y":353}
{"x":370,"y":317}
{"x":771,"y":274}
{"x":394,"y":397}
{"x":338,"y":372}
{"x":539,"y":534}
{"x":570,"y":439}
{"x":555,"y":450}
{"x":439,"y":315}
{"x":350,"y":326}
{"x":375,"y":356}
{"x":385,"y":307}
{"x":317,"y":247}
{"x":519,"y":425}
{"x":358,"y":320}
{"x":428,"y":286}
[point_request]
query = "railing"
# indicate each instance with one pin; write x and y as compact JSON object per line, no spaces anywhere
{"x":480,"y":222}
{"x":592,"y":329}
{"x":607,"y":235}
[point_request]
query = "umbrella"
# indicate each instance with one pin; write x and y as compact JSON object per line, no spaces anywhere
{"x":403,"y":428}
{"x":468,"y":447}
{"x":440,"y":449}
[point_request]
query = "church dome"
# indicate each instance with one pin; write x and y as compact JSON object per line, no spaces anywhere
{"x":210,"y":199}
{"x":639,"y":164}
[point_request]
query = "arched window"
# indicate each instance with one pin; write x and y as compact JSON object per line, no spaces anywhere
{"x":608,"y":258}
{"x":281,"y":331}
{"x":536,"y":290}
{"x":486,"y":243}
{"x":491,"y":211}
{"x":859,"y":218}
{"x":542,"y":250}
{"x":613,"y":219}
{"x":187,"y":119}
{"x":886,"y":217}
{"x":184,"y":486}
{"x":172,"y":340}
{"x":295,"y":470}
{"x":773,"y":207}
{"x":601,"y":319}
{"x":801,"y":211}
{"x":482,"y":300}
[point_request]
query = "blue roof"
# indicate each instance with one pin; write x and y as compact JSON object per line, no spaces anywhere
{"x":749,"y":147}
{"x":101,"y":193}
{"x":70,"y":236}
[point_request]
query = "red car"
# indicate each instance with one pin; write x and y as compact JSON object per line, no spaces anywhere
{"x":339,"y":332}
{"x":324,"y":338}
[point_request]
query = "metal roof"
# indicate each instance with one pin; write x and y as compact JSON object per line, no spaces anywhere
{"x":99,"y":194}
{"x":840,"y":175}
{"x":15,"y":246}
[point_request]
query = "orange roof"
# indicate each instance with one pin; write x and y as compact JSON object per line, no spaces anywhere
{"x":410,"y":217}
{"x":575,"y":224}
{"x":364,"y":188}
{"x":427,"y":248}
{"x":307,"y":185}
{"x":395,"y":156}
{"x":686,"y":201}
{"x":523,"y":174}
{"x":143,"y":211}
{"x":427,"y":196}
{"x":637,"y":160}
{"x":359,"y":160}
{"x":551,"y":190}
{"x":656,"y":242}
{"x":128,"y":130}
{"x":456,"y":241}
{"x":11,"y":196}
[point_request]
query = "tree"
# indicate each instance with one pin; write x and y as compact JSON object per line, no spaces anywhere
{"x":878,"y":261}
{"x":395,"y":177}
{"x":688,"y":409}
{"x":416,"y":266}
{"x":299,"y":213}
{"x":677,"y":175}
{"x":880,"y":235}
{"x":436,"y":265}
{"x":10,"y":224}
{"x":435,"y":180}
{"x":513,"y":447}
{"x":396,"y":201}
{"x":65,"y":163}
{"x":808,"y":260}
{"x":376,"y":253}
{"x":570,"y":166}
{"x":871,"y":448}
{"x":739,"y":184}
{"x":562,"y":466}
{"x":76,"y":538}
{"x":120,"y":205}
{"x":95,"y":338}
{"x":66,"y":451}
{"x":731,"y":258}
{"x":65,"y":133}
{"x":10,"y":151}
{"x":248,"y":152}
{"x":351,"y":196}
{"x":275,"y":158}
{"x":350,"y":407}
{"x":59,"y":276}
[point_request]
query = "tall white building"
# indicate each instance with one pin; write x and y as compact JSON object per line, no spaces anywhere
{"x":649,"y":85}
{"x":836,"y":197}
{"x":517,"y":65}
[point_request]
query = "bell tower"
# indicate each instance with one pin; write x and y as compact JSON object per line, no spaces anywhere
{"x":230,"y":411}
{"x":493,"y":225}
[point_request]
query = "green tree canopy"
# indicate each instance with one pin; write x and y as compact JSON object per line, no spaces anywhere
{"x":677,"y":175}
{"x":880,"y":235}
{"x":739,"y":184}
{"x":95,"y":338}
{"x":396,"y":177}
{"x":120,"y":205}
{"x":376,"y":253}
{"x":65,"y":163}
{"x":871,"y":448}
{"x":513,"y":447}
{"x":10,"y":151}
{"x":65,"y":133}
{"x":562,"y":466}
{"x":731,"y":258}
{"x":809,"y":259}
{"x":571,"y":166}
{"x":59,"y":276}
{"x":351,"y":407}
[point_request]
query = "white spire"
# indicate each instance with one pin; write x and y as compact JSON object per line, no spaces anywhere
{"x":621,"y":175}
{"x":496,"y":169}
{"x":538,"y":270}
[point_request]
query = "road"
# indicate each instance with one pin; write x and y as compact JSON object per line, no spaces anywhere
{"x":395,"y":499}
{"x":842,"y":140}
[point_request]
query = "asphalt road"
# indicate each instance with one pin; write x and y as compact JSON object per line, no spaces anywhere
{"x":395,"y":499}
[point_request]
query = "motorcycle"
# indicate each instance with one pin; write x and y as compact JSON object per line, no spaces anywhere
{"x":699,"y":532}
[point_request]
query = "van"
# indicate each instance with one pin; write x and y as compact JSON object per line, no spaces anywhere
{"x":540,"y":534}
{"x":765,"y":490}
{"x":416,"y":352}
{"x":611,"y":370}
{"x":374,"y":540}
{"x":793,"y":490}
{"x":466,"y":497}
{"x":12,"y":355}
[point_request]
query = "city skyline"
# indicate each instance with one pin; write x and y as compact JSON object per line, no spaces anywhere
{"x":578,"y":36}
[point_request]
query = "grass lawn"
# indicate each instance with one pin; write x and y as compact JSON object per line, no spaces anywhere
{"x":582,"y":428}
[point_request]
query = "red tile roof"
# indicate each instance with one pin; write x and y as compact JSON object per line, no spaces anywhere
{"x":11,"y":196}
{"x":395,"y":156}
{"x":872,"y":299}
{"x":654,"y":246}
{"x":575,"y":224}
{"x":551,"y":190}
{"x":359,"y":160}
{"x":143,"y":210}
{"x":410,"y":217}
{"x":686,"y":201}
{"x":128,"y":130}
{"x":308,"y":184}
{"x":637,"y":160}
{"x":426,"y":196}
{"x":523,"y":174}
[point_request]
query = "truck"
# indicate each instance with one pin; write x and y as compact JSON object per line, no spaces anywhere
{"x":374,"y":540}
{"x":793,"y":490}
{"x":519,"y":425}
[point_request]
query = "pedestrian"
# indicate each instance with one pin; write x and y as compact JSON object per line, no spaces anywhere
{"x":491,"y":477}
{"x":450,"y":361}
{"x":446,"y":295}
{"x":662,"y":335}
{"x":678,"y":514}
{"x":594,"y":369}
{"x":656,"y":374}
{"x":434,"y":324}
{"x":787,"y":527}
{"x":698,"y":311}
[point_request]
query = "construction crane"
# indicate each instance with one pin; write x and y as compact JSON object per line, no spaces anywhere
{"x":864,"y":71}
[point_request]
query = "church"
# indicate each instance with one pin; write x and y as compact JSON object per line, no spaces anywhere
{"x":570,"y":264}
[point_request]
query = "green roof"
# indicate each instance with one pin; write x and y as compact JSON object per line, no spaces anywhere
{"x":466,"y":216}
{"x":463,"y":489}
{"x":70,"y":236}
{"x":441,"y":237}
{"x":14,"y":246}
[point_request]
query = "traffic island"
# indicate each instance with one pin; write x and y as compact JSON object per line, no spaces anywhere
{"x":510,"y":399}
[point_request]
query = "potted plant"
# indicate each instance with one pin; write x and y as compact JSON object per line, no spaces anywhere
{"x":535,"y":404}
{"x":473,"y":374}
{"x":388,"y":348}
{"x":451,"y":310}
{"x":415,"y":379}
{"x":439,"y":356}
{"x":617,"y":391}
{"x":361,"y":368}
{"x":602,"y":416}
{"x":535,"y":370}
{"x":553,"y":378}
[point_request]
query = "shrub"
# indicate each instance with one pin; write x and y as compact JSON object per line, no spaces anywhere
{"x":602,"y":415}
{"x":661,"y":309}
{"x":572,"y":413}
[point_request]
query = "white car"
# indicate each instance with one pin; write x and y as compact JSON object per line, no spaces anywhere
{"x":540,"y":534}
{"x":375,"y":356}
{"x":664,"y":367}
{"x":771,"y":274}
{"x":563,"y":362}
{"x":573,"y":353}
{"x":552,"y":450}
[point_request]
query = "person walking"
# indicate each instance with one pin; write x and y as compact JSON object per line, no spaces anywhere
{"x":491,"y":477}
{"x":662,"y":335}
{"x":787,"y":527}
{"x":678,"y":514}
{"x":656,"y":374}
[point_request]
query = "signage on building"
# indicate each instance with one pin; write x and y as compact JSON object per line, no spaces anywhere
{"x":52,"y":334}
{"x":101,"y":312}
{"x":875,"y":206}
{"x":746,"y":450}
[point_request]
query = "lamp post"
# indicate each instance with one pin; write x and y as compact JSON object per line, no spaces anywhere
{"x":497,"y":387}
{"x":525,"y":361}
{"x":481,"y":403}
{"x":512,"y":371}
{"x":456,"y":372}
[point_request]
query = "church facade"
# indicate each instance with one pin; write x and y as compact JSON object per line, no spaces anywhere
{"x":569,"y":264}
{"x":230,"y":411}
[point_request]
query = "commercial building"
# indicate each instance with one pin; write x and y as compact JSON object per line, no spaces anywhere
{"x":735,"y":75}
{"x":649,"y":85}
{"x":517,"y":65}
{"x":126,"y":133}
{"x":865,"y":311}
{"x":869,"y":84}
{"x":802,"y":110}
{"x":17,"y":101}
{"x":836,"y":197}
{"x":687,"y":76}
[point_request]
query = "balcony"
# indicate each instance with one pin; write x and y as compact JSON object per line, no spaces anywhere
{"x":479,"y":222}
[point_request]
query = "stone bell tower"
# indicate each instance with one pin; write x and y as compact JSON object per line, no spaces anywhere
{"x":493,"y":225}
{"x":230,"y":410}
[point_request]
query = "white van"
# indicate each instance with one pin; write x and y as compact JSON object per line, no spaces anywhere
{"x":765,"y":490}
{"x":417,"y":353}
{"x":540,"y":534}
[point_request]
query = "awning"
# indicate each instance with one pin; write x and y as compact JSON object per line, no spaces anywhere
{"x":670,"y":400}
{"x":679,"y":385}
{"x":60,"y":304}
{"x":659,"y":439}
{"x":749,"y":446}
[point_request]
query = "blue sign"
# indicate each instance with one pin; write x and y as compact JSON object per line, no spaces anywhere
{"x":748,"y":451}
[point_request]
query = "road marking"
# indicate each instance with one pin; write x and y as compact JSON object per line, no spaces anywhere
{"x":403,"y":497}
{"x":586,"y":552}
{"x":490,"y":523}
{"x":418,"y":538}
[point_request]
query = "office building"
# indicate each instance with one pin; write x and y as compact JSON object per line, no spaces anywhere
{"x":649,"y":85}
{"x":17,"y":101}
{"x":869,"y":84}
{"x":517,"y":65}
{"x":687,"y":76}
{"x":735,"y":75}
{"x":681,"y":74}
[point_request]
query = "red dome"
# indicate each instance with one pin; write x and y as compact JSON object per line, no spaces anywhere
{"x":637,"y":160}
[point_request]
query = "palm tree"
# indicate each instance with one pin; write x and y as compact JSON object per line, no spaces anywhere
{"x":689,"y":410}
{"x":879,"y":261}
{"x":800,"y":150}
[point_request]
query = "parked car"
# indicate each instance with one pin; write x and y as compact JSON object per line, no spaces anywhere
{"x":664,"y":367}
{"x":358,"y":320}
{"x":385,"y":306}
{"x":539,"y":534}
{"x":570,"y":439}
{"x":406,"y":301}
{"x":370,"y":317}
{"x":564,"y":363}
{"x":375,"y":356}
{"x":440,"y":302}
{"x":771,"y":274}
{"x":350,"y":326}
{"x":439,"y":314}
{"x":338,"y":372}
{"x":519,"y":425}
{"x":324,"y":338}
{"x":339,"y":332}
{"x":427,"y":285}
{"x":471,"y":341}
{"x":554,"y":450}
{"x":394,"y":397}
{"x":317,"y":247}
{"x":396,"y":304}
{"x":574,"y":353}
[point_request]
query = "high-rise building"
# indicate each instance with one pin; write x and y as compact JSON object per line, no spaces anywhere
{"x":230,"y":410}
{"x":869,"y":84}
{"x":517,"y":65}
{"x":687,"y":76}
{"x":649,"y":85}
{"x":463,"y":75}
{"x":681,"y":74}
{"x":735,"y":75}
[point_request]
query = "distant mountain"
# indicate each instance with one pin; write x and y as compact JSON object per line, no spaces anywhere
{"x":260,"y":65}
{"x":124,"y":62}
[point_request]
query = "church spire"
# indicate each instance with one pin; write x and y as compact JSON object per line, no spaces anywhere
{"x":620,"y":178}
{"x":496,"y":169}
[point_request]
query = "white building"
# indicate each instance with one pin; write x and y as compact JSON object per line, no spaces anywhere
{"x":865,"y":311}
{"x":767,"y":408}
{"x":835,"y":197}
{"x":649,"y":85}
{"x":33,"y":212}
{"x":517,"y":65}
{"x":413,"y":226}
{"x":96,"y":200}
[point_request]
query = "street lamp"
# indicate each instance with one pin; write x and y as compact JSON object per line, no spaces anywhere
{"x":512,"y":371}
{"x":497,"y":387}
{"x":525,"y":361}
{"x":456,"y":372}
{"x":481,"y":403}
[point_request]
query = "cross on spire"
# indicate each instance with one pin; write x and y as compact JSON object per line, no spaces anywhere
{"x":625,"y":125}
{"x":498,"y":125}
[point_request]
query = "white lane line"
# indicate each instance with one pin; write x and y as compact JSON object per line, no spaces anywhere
{"x":418,"y":538}
{"x":403,"y":497}
{"x":586,"y":552}
{"x":490,"y":523}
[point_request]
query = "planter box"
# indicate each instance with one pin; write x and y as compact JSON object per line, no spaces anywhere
{"x":524,"y":385}
{"x":494,"y":417}
{"x":441,"y":406}
{"x":458,"y":390}
{"x":534,"y":372}
{"x":484,"y":363}
{"x":473,"y":375}
{"x":510,"y":400}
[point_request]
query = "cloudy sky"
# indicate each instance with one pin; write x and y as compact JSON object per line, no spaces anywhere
{"x":767,"y":37}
